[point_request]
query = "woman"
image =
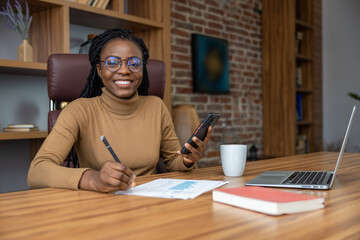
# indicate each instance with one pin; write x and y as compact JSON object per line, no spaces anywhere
{"x":115,"y":104}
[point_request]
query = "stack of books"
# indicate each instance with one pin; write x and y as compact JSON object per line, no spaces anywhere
{"x":21,"y":128}
{"x":94,"y":3}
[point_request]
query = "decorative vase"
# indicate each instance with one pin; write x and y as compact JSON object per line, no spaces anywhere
{"x":186,"y":120}
{"x":25,"y":51}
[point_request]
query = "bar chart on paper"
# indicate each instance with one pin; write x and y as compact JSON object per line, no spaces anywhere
{"x":183,"y":186}
{"x":173,"y":188}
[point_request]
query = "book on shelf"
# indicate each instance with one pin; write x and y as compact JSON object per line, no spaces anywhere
{"x":85,"y":2}
{"x":267,"y":200}
{"x":299,"y":38}
{"x":22,"y":125}
{"x":93,"y":3}
{"x":21,"y":129}
{"x":299,"y":115}
{"x":298,"y":77}
{"x":99,"y":3}
{"x":104,"y":5}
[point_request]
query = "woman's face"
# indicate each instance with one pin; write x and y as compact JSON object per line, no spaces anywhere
{"x":123,"y":83}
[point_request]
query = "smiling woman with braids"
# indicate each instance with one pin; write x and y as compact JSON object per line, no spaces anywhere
{"x":114,"y":103}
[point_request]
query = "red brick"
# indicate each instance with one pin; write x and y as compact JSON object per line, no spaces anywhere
{"x":215,"y":25}
{"x":196,"y":20}
{"x":184,"y":90}
{"x":178,"y":16}
{"x":180,"y":49}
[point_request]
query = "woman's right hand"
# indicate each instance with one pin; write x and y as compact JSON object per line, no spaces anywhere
{"x":113,"y":176}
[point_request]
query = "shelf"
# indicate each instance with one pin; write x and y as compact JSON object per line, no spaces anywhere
{"x":23,"y":135}
{"x":303,"y":57}
{"x":26,"y":68}
{"x":289,"y":33}
{"x":303,"y":25}
{"x":304,"y":123}
{"x":50,"y":33}
{"x":96,"y":17}
{"x":304,"y":90}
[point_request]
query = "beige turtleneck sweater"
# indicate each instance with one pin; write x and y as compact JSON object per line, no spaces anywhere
{"x":139,"y":130}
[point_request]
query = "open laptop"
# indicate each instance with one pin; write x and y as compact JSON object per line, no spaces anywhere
{"x":302,"y":179}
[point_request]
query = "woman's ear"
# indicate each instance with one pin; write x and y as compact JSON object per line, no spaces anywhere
{"x":98,"y":68}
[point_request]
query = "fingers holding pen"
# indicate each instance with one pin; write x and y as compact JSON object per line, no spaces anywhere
{"x":116,"y":176}
{"x":123,"y":174}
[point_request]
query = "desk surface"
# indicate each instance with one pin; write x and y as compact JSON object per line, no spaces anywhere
{"x":60,"y":213}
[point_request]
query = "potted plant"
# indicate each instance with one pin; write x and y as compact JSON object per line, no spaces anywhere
{"x":20,"y":22}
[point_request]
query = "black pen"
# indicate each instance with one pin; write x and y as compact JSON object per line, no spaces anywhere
{"x":109,"y":148}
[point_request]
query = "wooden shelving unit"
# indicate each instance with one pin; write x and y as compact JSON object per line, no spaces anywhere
{"x":50,"y":33}
{"x":288,"y":77}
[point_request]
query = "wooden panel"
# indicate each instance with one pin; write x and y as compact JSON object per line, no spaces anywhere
{"x":47,"y":33}
{"x":304,"y":10}
{"x":278,"y":78}
{"x":35,"y":145}
{"x":149,"y":9}
{"x":279,"y":22}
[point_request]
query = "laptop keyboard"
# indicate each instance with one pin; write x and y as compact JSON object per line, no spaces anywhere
{"x":305,"y":178}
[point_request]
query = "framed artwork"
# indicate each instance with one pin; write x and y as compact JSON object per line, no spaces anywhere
{"x":210,"y":59}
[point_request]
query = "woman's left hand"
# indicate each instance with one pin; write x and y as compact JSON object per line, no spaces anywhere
{"x":196,"y":153}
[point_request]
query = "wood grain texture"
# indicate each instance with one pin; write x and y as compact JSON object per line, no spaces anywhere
{"x":67,"y":214}
{"x":281,"y":21}
{"x":23,"y":135}
{"x":278,"y":78}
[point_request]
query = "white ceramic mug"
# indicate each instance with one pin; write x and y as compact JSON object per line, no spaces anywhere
{"x":233,"y":159}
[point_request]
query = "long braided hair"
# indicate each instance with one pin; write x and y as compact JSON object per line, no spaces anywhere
{"x":94,"y":84}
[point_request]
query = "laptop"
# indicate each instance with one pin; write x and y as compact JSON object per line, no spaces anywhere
{"x":302,"y":179}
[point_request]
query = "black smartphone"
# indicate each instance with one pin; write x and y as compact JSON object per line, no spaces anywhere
{"x":201,"y":131}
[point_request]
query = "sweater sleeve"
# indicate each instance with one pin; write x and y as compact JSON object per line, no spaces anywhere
{"x":170,"y":144}
{"x":46,"y":170}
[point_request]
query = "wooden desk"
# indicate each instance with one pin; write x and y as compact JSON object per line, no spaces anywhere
{"x":68,"y":214}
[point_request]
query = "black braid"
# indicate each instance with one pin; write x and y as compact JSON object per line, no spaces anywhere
{"x":94,"y":84}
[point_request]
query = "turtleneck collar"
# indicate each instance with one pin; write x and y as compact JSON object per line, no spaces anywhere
{"x":120,"y":106}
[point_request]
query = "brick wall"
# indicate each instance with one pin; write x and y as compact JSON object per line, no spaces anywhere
{"x":238,"y":22}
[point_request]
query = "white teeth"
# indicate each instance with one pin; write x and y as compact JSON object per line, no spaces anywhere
{"x":122,"y":82}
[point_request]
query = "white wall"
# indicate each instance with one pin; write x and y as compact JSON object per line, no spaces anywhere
{"x":341,"y":70}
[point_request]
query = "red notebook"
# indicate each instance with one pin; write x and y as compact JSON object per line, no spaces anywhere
{"x":267,"y":200}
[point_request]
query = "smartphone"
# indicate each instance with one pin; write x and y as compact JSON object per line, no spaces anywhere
{"x":201,"y":131}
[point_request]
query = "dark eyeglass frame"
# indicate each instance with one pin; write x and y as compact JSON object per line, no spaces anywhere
{"x":127,"y":64}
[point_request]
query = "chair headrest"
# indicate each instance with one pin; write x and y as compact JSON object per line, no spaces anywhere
{"x":67,"y":75}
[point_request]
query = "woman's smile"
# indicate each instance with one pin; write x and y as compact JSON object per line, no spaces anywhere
{"x":123,"y":83}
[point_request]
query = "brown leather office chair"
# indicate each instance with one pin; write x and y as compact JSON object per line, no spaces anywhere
{"x":66,"y":78}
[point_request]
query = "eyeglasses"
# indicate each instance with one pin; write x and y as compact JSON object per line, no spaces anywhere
{"x":113,"y":64}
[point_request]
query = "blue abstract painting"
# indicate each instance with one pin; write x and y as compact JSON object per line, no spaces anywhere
{"x":210,"y":64}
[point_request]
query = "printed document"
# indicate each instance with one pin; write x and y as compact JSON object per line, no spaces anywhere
{"x":173,"y":188}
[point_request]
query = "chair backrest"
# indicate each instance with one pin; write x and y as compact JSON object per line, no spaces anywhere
{"x":67,"y":74}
